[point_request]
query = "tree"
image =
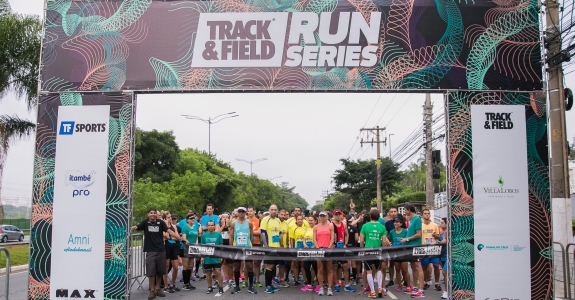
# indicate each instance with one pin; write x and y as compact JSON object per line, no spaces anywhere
{"x":337,"y":201}
{"x":572,"y":150}
{"x":156,"y":155}
{"x":359,"y":180}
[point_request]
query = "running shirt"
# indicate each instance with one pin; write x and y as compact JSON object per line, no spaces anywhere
{"x":444,"y":258}
{"x":214,"y":238}
{"x":351,"y":241}
{"x":205,"y":218}
{"x":292,"y":223}
{"x":191,"y":233}
{"x":153,"y":235}
{"x":323,"y":235}
{"x":242,"y":234}
{"x":396,"y":237}
{"x":297,"y":234}
{"x":226,"y":236}
{"x":271,"y":227}
{"x":285,"y":229}
{"x":170,"y":239}
{"x":373,"y":231}
{"x":255,"y":227}
{"x":414,"y":225}
{"x":427,"y":232}
{"x":308,"y":237}
{"x":339,"y":232}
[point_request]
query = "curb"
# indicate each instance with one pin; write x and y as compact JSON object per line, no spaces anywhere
{"x":14,"y":269}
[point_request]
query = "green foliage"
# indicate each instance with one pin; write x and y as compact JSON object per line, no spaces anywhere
{"x":409,"y":197}
{"x":156,"y":155}
{"x":198,"y":178}
{"x":317,"y":208}
{"x":414,"y":178}
{"x":358,"y":179}
{"x":337,"y":201}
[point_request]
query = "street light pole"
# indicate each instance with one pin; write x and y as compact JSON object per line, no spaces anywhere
{"x":389,"y":139}
{"x":251,"y":162}
{"x":211,"y":121}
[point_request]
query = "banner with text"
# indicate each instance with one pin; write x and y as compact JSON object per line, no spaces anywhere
{"x":80,"y":185}
{"x":259,"y":253}
{"x":501,"y":202}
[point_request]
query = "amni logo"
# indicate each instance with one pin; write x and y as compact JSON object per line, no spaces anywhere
{"x":63,"y":293}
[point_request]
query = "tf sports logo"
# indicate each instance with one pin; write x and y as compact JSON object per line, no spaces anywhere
{"x":69,"y":127}
{"x":480,"y":247}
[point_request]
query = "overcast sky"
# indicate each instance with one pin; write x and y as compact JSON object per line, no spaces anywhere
{"x":302,"y":135}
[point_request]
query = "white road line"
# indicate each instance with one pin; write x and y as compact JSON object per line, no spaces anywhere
{"x":226,"y":288}
{"x":391,"y":295}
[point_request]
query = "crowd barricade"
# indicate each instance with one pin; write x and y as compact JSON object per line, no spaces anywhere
{"x":8,"y":267}
{"x":137,"y":261}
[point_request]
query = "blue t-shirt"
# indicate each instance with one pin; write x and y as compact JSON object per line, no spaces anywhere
{"x":444,"y":258}
{"x":205,"y":220}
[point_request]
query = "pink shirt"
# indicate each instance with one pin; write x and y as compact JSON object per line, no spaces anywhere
{"x":323,"y":235}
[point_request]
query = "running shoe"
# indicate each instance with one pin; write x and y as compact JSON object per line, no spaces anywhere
{"x":306,"y":288}
{"x":379,"y":293}
{"x":296,"y":283}
{"x":169,"y":290}
{"x":390,"y":283}
{"x":236,"y":290}
{"x":284,"y":284}
{"x":426,"y":286}
{"x":269,"y":290}
{"x":244,"y":285}
{"x":221,"y":291}
{"x":438,"y":287}
{"x":372,"y":295}
{"x":317,"y":288}
{"x":408,"y":290}
{"x":336,"y":287}
{"x":419,"y":294}
{"x":329,"y":292}
{"x":368,"y":289}
{"x":210,"y":290}
{"x":252,"y":290}
{"x":258,"y":284}
{"x":444,"y":295}
{"x":276,"y":280}
{"x":185,"y":287}
{"x":320,"y":293}
{"x":399,"y":288}
{"x":175,"y":288}
{"x":348,"y":288}
{"x":276,"y":289}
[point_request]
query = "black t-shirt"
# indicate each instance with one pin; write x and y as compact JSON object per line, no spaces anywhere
{"x":389,"y":226}
{"x":352,"y":230}
{"x":226,"y":236}
{"x":153,"y":235}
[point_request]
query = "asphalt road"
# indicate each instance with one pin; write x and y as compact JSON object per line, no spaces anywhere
{"x":25,"y":241}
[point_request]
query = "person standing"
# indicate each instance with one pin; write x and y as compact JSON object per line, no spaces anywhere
{"x":323,"y":237}
{"x":209,"y":216}
{"x":284,"y":266}
{"x":396,"y":235}
{"x":414,"y":239}
{"x":389,"y":226}
{"x":431,"y":266}
{"x":341,"y":240}
{"x":308,"y":264}
{"x":373,"y":235}
{"x":212,"y":264}
{"x":241,"y":234}
{"x":256,"y":242}
{"x":297,"y":240}
{"x":353,"y":242}
{"x":154,"y":229}
{"x":172,"y":247}
{"x":271,"y":234}
{"x":190,"y":233}
{"x":444,"y":263}
{"x":227,"y":264}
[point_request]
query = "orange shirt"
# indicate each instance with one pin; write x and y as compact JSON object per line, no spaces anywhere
{"x":256,"y":227}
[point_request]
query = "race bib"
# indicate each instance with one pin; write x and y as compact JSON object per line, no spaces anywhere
{"x":225,"y":234}
{"x":309,"y":244}
{"x":339,"y":244}
{"x":299,"y":244}
{"x":242,"y":241}
{"x":275,"y":239}
{"x":428,"y":241}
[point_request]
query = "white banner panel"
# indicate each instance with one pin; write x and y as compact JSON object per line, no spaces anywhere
{"x":79,"y":211}
{"x":501,"y":202}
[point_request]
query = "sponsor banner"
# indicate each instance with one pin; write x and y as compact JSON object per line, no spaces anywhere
{"x":501,"y":202}
{"x":259,"y":253}
{"x":80,"y":186}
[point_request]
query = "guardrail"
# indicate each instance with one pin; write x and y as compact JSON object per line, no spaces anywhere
{"x":570,"y":272}
{"x":8,"y":267}
{"x":138,"y":261}
{"x":560,"y":258}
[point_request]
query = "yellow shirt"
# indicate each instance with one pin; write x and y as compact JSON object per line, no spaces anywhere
{"x":427,"y":232}
{"x":285,"y":230}
{"x":298,"y":235}
{"x":292,"y":223}
{"x":308,"y":237}
{"x":273,"y":230}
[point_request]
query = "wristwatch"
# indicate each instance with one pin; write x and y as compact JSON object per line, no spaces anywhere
{"x":408,"y":239}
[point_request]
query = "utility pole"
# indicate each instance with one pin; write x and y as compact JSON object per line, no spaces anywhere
{"x":559,"y":171}
{"x":378,"y":159}
{"x":427,"y":118}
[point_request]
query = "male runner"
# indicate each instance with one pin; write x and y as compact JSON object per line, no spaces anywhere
{"x":414,"y":239}
{"x":430,"y":235}
{"x":209,"y":216}
{"x":284,"y":265}
{"x":341,"y":239}
{"x":241,"y":234}
{"x":212,"y":264}
{"x":373,"y":235}
{"x":256,"y":242}
{"x":270,"y":227}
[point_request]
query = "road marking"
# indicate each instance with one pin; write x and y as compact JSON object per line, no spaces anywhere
{"x":391,"y":295}
{"x":225,"y":289}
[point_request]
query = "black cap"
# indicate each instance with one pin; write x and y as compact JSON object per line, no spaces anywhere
{"x":174,"y":216}
{"x":398,"y":220}
{"x":191,"y":217}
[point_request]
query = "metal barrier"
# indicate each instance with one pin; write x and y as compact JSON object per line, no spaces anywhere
{"x":570,"y":269}
{"x":138,"y":261}
{"x":562,"y":261}
{"x":8,"y":267}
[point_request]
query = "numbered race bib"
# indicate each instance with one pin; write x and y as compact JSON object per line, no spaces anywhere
{"x":428,"y":241}
{"x":309,"y":244}
{"x":299,"y":244}
{"x":275,"y":239}
{"x":225,"y":234}
{"x":242,"y":241}
{"x":339,"y":244}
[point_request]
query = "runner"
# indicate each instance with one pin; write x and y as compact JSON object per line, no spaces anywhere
{"x":154,"y":229}
{"x":353,"y":242}
{"x":297,"y":240}
{"x":227,"y":264}
{"x":444,"y":264}
{"x":190,"y":233}
{"x":209,"y":216}
{"x":389,"y":226}
{"x":323,"y":236}
{"x":396,"y":235}
{"x":373,"y":235}
{"x":241,"y":233}
{"x":284,"y":266}
{"x":256,"y":242}
{"x":172,"y":247}
{"x":212,"y":264}
{"x":308,"y":264}
{"x":430,"y":235}
{"x":341,"y":240}
{"x":270,"y":228}
{"x":413,"y":239}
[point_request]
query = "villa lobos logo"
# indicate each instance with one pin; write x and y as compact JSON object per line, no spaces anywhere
{"x":314,"y":253}
{"x":500,"y":189}
{"x":498,"y":121}
{"x":200,"y":250}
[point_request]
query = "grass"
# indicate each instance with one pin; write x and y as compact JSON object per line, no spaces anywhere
{"x":18,"y":255}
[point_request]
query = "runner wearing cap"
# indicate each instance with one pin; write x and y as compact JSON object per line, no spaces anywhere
{"x":341,"y":239}
{"x":373,"y":235}
{"x":323,"y":237}
{"x":297,"y":240}
{"x":256,"y":242}
{"x":190,"y":233}
{"x":241,"y":234}
{"x":270,"y":227}
{"x":227,"y":264}
{"x":395,"y":236}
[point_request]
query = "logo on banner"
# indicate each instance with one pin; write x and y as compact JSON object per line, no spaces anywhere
{"x":498,"y":121}
{"x":63,"y":293}
{"x":201,"y":250}
{"x":500,"y":189}
{"x":424,"y":251}
{"x":258,"y":40}
{"x":480,"y":247}
{"x":314,"y":253}
{"x":80,"y":179}
{"x":69,"y":127}
{"x":249,"y":253}
{"x":493,"y":247}
{"x":368,"y":253}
